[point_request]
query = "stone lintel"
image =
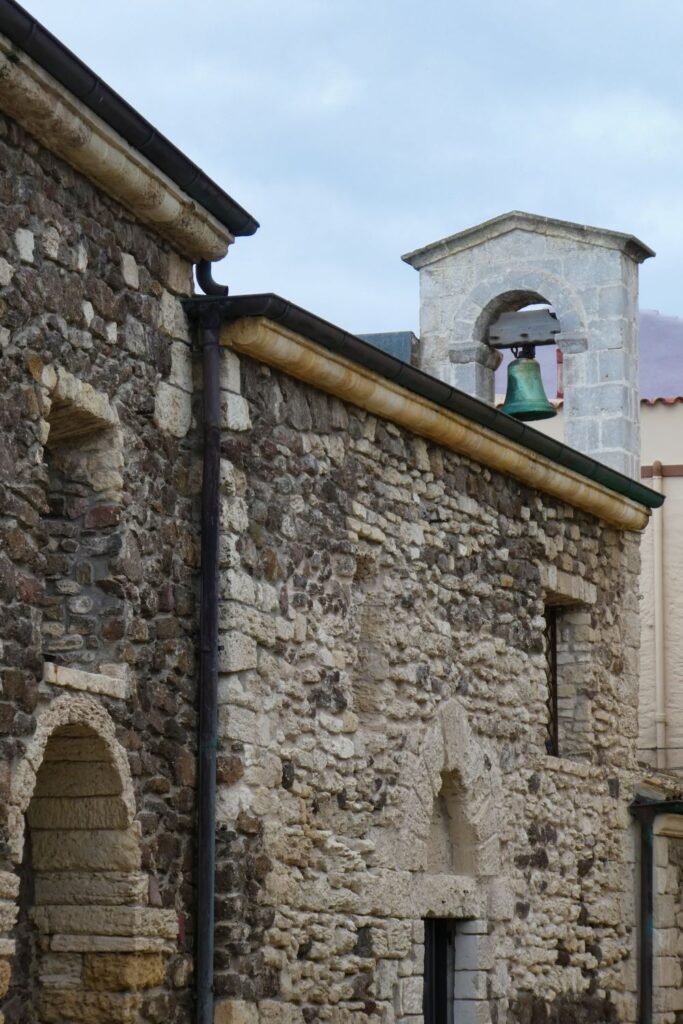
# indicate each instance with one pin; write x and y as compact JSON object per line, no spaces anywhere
{"x":87,"y":682}
{"x":517,"y":220}
{"x":446,"y":895}
{"x":563,"y":588}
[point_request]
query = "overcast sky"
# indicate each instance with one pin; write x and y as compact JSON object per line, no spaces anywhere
{"x":357,"y":130}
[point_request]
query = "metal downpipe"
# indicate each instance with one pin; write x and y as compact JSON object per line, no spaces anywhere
{"x":208,"y":676}
{"x":208,"y":316}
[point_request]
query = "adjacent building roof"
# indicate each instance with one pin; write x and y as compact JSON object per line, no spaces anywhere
{"x":517,"y":220}
{"x":46,"y":50}
{"x":402,"y":344}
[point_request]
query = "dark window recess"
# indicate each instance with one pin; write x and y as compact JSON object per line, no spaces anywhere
{"x":439,"y":968}
{"x":552,"y":743}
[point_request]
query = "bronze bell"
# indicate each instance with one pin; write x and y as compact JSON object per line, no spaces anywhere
{"x":525,"y":398}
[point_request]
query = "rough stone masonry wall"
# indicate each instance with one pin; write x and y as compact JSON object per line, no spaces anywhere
{"x":382,"y":728}
{"x":98,"y":555}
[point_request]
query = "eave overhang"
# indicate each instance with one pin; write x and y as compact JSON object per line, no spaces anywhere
{"x":59,"y":100}
{"x":282,"y":335}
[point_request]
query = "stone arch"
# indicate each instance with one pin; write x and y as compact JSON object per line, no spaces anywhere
{"x":66,"y":710}
{"x":88,"y":945}
{"x":450,"y":761}
{"x":515,"y":289}
{"x":460,"y":771}
{"x":82,"y":455}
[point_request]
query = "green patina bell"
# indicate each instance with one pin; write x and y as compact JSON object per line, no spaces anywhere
{"x":525,"y":398}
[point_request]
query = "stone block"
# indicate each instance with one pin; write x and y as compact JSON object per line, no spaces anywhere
{"x":239,"y":653}
{"x":172,"y":319}
{"x":104,"y":812}
{"x":6,"y":272}
{"x":472,"y":1011}
{"x":172,"y":409}
{"x":76,"y":748}
{"x":121,"y":972}
{"x":178,"y":274}
{"x":9,"y":885}
{"x":88,"y":682}
{"x":473,"y":952}
{"x":5,"y":974}
{"x":8,"y":915}
{"x":234,"y":515}
{"x":24,"y":241}
{"x":668,"y":972}
{"x":238,"y":586}
{"x":447,"y":895}
{"x":80,"y":1007}
{"x":111,"y":944}
{"x":469,"y":984}
{"x":86,"y":851}
{"x":411,"y":995}
{"x":181,"y":366}
{"x":230,"y":371}
{"x":129,"y":270}
{"x":50,"y":242}
{"x":392,"y":941}
{"x":272,"y":1011}
{"x":477,"y":926}
{"x":113,"y":920}
{"x":60,"y":970}
{"x":106,"y":889}
{"x":235,"y":1011}
{"x":234,"y":412}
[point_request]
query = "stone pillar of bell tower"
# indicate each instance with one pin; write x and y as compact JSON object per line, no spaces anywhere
{"x":589,"y":276}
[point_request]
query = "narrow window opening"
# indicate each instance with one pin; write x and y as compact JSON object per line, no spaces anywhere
{"x":439,"y":971}
{"x":552,"y":740}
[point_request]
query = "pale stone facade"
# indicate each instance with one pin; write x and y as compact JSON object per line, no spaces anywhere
{"x":384,"y":714}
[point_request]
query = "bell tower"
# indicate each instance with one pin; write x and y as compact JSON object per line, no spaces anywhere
{"x":589,"y":276}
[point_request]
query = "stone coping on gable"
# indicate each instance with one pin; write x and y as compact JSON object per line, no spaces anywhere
{"x":519,"y":220}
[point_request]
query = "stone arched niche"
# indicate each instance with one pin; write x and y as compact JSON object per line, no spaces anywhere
{"x":82,"y":457}
{"x":88,"y":945}
{"x":440,"y":845}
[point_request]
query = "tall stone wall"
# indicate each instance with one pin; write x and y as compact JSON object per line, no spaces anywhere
{"x":98,"y":556}
{"x":383,"y":724}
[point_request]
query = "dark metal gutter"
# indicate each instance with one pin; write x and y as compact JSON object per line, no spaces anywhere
{"x":35,"y":40}
{"x":645,"y":811}
{"x":340,"y":342}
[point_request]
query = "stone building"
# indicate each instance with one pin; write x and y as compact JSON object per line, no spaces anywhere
{"x":421,"y":656}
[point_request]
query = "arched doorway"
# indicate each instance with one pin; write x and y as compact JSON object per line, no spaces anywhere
{"x":88,"y":945}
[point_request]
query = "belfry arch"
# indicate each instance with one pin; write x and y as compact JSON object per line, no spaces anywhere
{"x":590,"y":278}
